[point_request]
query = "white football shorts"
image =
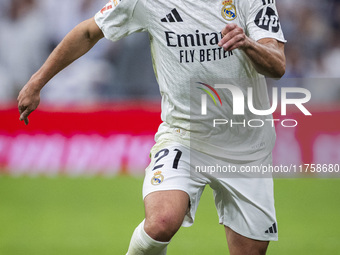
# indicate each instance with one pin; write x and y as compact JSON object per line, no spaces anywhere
{"x":244,"y":203}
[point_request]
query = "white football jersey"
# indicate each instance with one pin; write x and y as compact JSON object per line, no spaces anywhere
{"x":188,"y":63}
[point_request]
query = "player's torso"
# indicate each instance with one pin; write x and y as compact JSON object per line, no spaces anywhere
{"x":184,"y":42}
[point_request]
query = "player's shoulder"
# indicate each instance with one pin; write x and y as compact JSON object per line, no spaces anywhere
{"x":259,"y":2}
{"x":245,"y":5}
{"x":249,"y":6}
{"x":250,"y":3}
{"x":121,"y":5}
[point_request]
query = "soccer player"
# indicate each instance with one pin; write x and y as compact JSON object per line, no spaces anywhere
{"x":194,"y":43}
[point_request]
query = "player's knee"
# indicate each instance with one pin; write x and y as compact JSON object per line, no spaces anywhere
{"x":162,"y":227}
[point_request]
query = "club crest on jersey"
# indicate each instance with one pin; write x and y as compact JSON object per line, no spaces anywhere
{"x":157,"y":178}
{"x":228,"y":10}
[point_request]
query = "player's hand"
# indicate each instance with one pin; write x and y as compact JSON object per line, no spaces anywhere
{"x":233,"y":38}
{"x":28,"y":101}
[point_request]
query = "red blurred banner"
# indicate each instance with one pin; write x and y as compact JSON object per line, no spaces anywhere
{"x":115,"y":138}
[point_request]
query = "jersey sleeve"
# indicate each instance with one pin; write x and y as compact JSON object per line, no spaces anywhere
{"x":119,"y":18}
{"x":263,"y":21}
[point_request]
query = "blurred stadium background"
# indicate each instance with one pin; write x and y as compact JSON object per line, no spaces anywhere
{"x":70,"y":182}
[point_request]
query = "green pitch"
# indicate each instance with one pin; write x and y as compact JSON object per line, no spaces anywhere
{"x":81,"y":216}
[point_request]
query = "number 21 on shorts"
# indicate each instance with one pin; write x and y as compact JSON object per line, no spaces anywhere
{"x":162,"y":154}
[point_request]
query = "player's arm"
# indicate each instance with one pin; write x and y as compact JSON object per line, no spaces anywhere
{"x":75,"y":44}
{"x":267,"y":55}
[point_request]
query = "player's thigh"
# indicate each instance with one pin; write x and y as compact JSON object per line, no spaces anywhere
{"x":165,"y":212}
{"x":169,"y":186}
{"x":241,"y":245}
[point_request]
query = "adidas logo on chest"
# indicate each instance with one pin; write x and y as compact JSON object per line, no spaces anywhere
{"x":173,"y":16}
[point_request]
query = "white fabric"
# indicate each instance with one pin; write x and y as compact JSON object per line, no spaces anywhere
{"x":244,"y":201}
{"x":185,"y":52}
